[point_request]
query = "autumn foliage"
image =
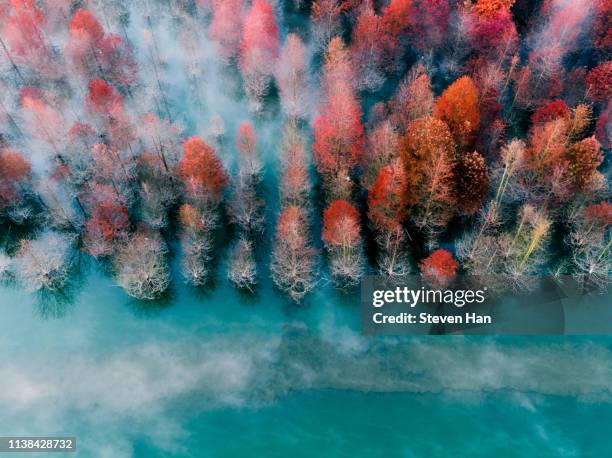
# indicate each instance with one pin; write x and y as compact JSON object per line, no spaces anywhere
{"x":439,"y":268}
{"x":201,"y":169}
{"x":458,"y":107}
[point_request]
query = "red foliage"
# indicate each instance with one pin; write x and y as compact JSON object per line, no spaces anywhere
{"x":439,"y":268}
{"x":372,"y":48}
{"x":85,"y":27}
{"x":413,"y":98}
{"x":599,"y":213}
{"x":25,"y":39}
{"x":599,"y":82}
{"x":341,"y":225}
{"x":226,"y":26}
{"x":386,"y":206}
{"x":201,"y":169}
{"x":338,"y":134}
{"x":245,"y":140}
{"x":550,"y":111}
{"x":102,"y":98}
{"x":43,"y":121}
{"x":458,"y":107}
{"x":396,"y":17}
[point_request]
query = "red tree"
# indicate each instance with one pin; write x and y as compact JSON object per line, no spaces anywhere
{"x":599,"y":82}
{"x":108,"y":225}
{"x":386,"y":205}
{"x":86,"y":33}
{"x":226,"y":26}
{"x":341,"y":225}
{"x":26,"y":40}
{"x":439,"y":268}
{"x":599,"y":213}
{"x":245,"y":140}
{"x":550,"y":111}
{"x":201,"y":169}
{"x":471,"y":182}
{"x":102,"y":98}
{"x":429,"y":23}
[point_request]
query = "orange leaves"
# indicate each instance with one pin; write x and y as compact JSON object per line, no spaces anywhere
{"x":426,"y":139}
{"x":201,"y":169}
{"x":458,"y":107}
{"x":341,"y":225}
{"x":584,"y":157}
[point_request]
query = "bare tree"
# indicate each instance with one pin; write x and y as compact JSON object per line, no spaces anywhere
{"x":141,"y":266}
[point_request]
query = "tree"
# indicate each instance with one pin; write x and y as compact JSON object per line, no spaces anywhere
{"x":44,"y":263}
{"x":43,"y":122}
{"x":372,"y":48}
{"x":338,"y":132}
{"x":201,"y":170}
{"x":471,"y":182}
{"x":106,"y":228}
{"x":342,"y":237}
{"x":413,"y":98}
{"x":292,"y":256}
{"x":226,"y":27}
{"x":158,"y":190}
{"x":382,"y":149}
{"x":326,"y":20}
{"x":386,"y":212}
{"x":458,"y":107}
{"x":86,"y":34}
{"x":258,"y":51}
{"x":427,"y":152}
{"x":295,"y":184}
{"x":599,"y":82}
{"x":196,"y":243}
{"x":243,"y":269}
{"x":584,"y":157}
{"x":603,"y":128}
{"x":439,"y":268}
{"x":292,"y":78}
{"x":493,"y":33}
{"x":117,"y":61}
{"x":141,"y":266}
{"x":549,"y":111}
{"x":23,"y":32}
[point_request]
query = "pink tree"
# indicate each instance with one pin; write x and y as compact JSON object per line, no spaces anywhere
{"x":258,"y":51}
{"x":226,"y":26}
{"x":291,"y":77}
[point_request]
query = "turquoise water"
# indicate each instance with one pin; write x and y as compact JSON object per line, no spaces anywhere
{"x":220,"y":374}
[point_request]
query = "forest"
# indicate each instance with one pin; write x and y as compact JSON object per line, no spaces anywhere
{"x":318,"y":141}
